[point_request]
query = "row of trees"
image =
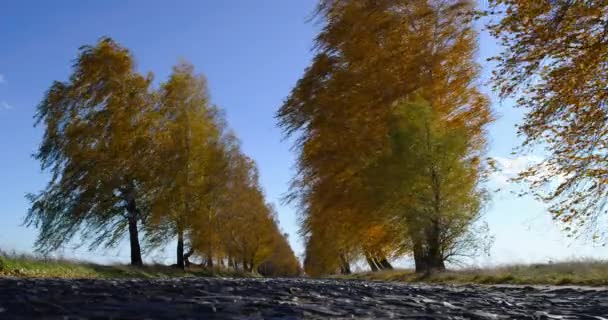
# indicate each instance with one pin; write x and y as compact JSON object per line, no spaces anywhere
{"x":390,"y":133}
{"x":390,"y":124}
{"x":156,"y":164}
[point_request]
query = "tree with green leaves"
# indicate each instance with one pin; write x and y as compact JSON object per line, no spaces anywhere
{"x":555,"y":63}
{"x":429,"y":183}
{"x":95,"y":144}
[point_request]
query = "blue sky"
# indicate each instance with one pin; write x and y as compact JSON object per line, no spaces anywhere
{"x":252,"y":53}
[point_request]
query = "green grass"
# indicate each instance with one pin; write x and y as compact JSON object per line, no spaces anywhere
{"x":584,"y":272}
{"x":26,"y":266}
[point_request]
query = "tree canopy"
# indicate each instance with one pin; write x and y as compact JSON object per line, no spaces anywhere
{"x":96,"y":134}
{"x":390,"y":133}
{"x":555,"y":63}
{"x":126,"y":156}
{"x":359,"y":173}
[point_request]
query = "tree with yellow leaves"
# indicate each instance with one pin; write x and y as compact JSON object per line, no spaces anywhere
{"x":96,"y":140}
{"x":187,"y":135}
{"x":371,"y":57}
{"x":555,"y":63}
{"x":124,"y":156}
{"x":282,"y":262}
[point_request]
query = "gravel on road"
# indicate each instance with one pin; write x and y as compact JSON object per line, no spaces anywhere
{"x":212,"y":298}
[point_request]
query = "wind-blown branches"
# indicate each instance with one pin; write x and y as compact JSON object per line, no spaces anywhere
{"x":125,"y":157}
{"x":555,"y":63}
{"x":374,"y":59}
{"x":94,"y":165}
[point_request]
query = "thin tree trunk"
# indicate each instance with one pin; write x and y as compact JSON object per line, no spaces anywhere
{"x":377,"y":262}
{"x":209,"y":260}
{"x":372,"y":264}
{"x":435,"y":256}
{"x":180,"y":248}
{"x":345,"y":266}
{"x":133,"y":233}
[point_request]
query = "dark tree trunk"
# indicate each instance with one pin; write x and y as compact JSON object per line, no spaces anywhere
{"x":134,"y":235}
{"x":209,"y":260}
{"x":372,"y":264}
{"x":428,"y":263}
{"x":420,"y":259}
{"x":187,"y":256}
{"x":385,"y":264}
{"x":435,"y":256}
{"x":180,"y":249}
{"x":436,"y":263}
{"x":345,"y":266}
{"x":251,"y":265}
{"x":377,"y":263}
{"x":428,"y":256}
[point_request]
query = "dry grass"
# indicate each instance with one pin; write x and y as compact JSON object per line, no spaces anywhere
{"x":583,"y":272}
{"x":27,"y":266}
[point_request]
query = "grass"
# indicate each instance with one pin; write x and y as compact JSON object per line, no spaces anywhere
{"x":25,"y":266}
{"x":584,"y":272}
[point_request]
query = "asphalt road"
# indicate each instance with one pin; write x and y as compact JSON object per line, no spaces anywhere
{"x":207,"y":298}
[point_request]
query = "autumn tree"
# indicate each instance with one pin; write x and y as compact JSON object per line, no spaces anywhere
{"x":282,"y":262}
{"x":331,"y":241}
{"x":124,"y":156}
{"x":187,"y":136}
{"x":244,"y":216}
{"x":95,"y":143}
{"x":555,"y":63}
{"x":205,"y":192}
{"x":371,"y":55}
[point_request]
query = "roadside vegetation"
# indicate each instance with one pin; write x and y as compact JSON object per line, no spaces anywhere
{"x":390,"y":128}
{"x":151,"y":164}
{"x":581,"y":272}
{"x":390,"y":125}
{"x":28,"y":266}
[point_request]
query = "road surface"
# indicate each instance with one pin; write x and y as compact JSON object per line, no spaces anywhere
{"x":208,"y":298}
